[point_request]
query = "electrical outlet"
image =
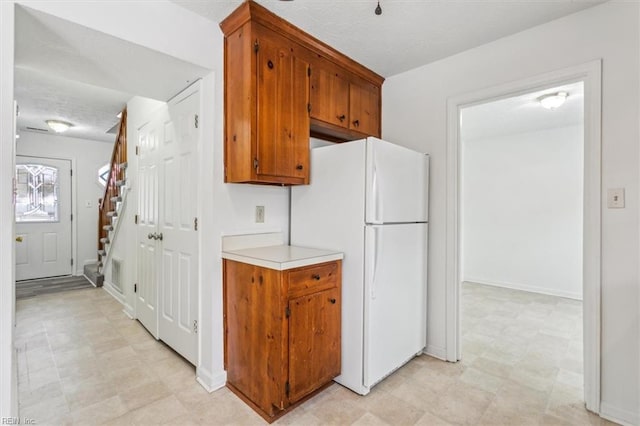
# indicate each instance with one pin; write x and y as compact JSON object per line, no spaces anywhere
{"x":259,"y":214}
{"x":615,"y":198}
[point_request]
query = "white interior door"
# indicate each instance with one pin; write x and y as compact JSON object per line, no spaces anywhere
{"x":43,"y":217}
{"x":148,"y":255}
{"x":178,"y":226}
{"x":395,"y":297}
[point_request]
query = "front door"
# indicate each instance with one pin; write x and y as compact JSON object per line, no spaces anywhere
{"x":43,"y":218}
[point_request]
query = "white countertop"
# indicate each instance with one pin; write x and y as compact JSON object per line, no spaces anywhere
{"x":282,"y":257}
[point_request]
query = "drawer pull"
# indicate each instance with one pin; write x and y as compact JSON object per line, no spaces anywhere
{"x":333,"y":301}
{"x":316,"y":277}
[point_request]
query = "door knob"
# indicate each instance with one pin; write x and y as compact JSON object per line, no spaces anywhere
{"x":159,"y":236}
{"x":151,"y":236}
{"x":19,"y":239}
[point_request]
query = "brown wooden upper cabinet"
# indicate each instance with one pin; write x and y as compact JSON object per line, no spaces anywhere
{"x":281,"y":86}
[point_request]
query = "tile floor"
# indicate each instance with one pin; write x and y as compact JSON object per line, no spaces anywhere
{"x":82,"y":361}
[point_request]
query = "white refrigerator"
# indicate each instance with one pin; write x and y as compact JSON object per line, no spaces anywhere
{"x":369,"y":199}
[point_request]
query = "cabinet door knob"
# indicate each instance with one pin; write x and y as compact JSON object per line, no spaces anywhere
{"x":150,"y":236}
{"x":333,"y":301}
{"x":299,"y":167}
{"x":356,"y":123}
{"x":270,"y":65}
{"x":316,"y":277}
{"x":341,"y":117}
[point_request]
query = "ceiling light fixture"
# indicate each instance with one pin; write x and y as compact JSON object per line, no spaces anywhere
{"x":378,"y":10}
{"x":59,"y":126}
{"x":553,"y":100}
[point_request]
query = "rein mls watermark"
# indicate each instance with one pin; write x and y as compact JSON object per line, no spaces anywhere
{"x":17,"y":421}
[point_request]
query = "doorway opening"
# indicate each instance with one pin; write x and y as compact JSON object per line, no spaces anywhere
{"x":521,"y":233}
{"x":590,"y":76}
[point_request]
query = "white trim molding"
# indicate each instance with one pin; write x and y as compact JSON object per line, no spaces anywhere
{"x":614,"y":414}
{"x":209,"y":381}
{"x":438,"y":352}
{"x":591,"y":74}
{"x":8,"y":384}
{"x":525,"y":287}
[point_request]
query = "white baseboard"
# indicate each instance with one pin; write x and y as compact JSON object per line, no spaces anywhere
{"x":128,"y":311}
{"x":436,"y":352}
{"x":618,"y":415}
{"x":525,"y":287}
{"x":113,"y":291}
{"x":209,"y":381}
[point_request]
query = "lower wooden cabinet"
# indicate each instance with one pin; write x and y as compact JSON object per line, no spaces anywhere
{"x":282,"y":333}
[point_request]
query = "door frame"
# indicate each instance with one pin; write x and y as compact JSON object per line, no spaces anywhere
{"x":74,"y":207}
{"x":591,"y":74}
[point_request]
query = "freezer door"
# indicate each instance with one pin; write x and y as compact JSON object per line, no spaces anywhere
{"x":396,"y":184}
{"x":395,"y":297}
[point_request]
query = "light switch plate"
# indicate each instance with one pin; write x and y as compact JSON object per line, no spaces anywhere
{"x":615,"y":198}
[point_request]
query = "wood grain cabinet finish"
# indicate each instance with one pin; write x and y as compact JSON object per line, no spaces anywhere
{"x":282,"y":333}
{"x":283,"y":86}
{"x":343,"y":105}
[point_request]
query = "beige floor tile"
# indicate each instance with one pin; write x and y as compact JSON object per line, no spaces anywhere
{"x":167,"y":410}
{"x":45,"y":411}
{"x":462,"y":404}
{"x":482,"y":380}
{"x":369,"y":419}
{"x":35,"y":396}
{"x":139,"y":396}
{"x":100,"y":412}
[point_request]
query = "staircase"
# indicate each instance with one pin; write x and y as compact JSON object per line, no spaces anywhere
{"x":111,"y":204}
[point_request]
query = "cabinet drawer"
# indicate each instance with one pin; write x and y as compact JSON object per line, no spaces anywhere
{"x":313,"y":278}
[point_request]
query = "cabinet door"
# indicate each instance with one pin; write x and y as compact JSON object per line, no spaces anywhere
{"x":314,"y":342}
{"x":282,"y":109}
{"x":329,"y":96}
{"x":364,"y":108}
{"x":254,"y":314}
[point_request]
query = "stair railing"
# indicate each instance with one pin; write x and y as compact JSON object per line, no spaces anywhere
{"x":112,"y":189}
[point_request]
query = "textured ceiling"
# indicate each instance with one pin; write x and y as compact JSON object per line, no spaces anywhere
{"x":522,"y":114}
{"x":409,"y":33}
{"x":72,"y":73}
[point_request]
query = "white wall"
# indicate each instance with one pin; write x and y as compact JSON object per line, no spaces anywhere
{"x":86,"y":156}
{"x":414,"y":114}
{"x":522,"y":211}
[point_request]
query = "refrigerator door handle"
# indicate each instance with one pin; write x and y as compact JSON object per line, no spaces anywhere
{"x":375,"y":262}
{"x":375,"y":190}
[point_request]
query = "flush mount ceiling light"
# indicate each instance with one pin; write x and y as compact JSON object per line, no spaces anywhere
{"x":378,"y":10}
{"x":59,"y":126}
{"x":553,"y":100}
